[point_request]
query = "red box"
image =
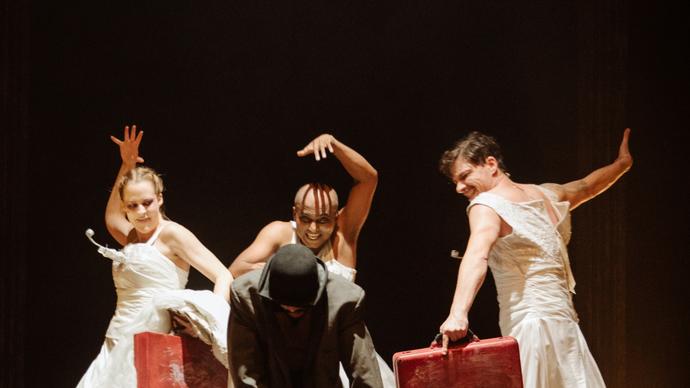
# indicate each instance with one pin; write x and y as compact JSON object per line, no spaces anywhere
{"x":170,"y":361}
{"x":485,"y":363}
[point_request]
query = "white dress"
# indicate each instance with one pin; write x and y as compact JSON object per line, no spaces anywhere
{"x":149,"y":286}
{"x":335,"y":267}
{"x":534,"y":283}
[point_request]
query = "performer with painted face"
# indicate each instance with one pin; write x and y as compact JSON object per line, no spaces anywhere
{"x":330,"y":233}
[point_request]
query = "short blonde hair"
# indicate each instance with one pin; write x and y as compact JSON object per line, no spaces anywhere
{"x":139,"y":174}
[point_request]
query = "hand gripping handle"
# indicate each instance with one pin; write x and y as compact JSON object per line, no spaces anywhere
{"x":469,"y":337}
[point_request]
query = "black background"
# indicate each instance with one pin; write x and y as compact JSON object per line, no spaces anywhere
{"x":227,"y":92}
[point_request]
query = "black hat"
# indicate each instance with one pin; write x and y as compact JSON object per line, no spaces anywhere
{"x":293,"y":277}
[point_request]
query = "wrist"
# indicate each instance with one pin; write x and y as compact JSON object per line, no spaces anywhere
{"x":624,"y":162}
{"x":458,"y":313}
{"x":126,"y":166}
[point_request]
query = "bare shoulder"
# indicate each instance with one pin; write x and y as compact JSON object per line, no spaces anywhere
{"x":172,"y":229}
{"x":273,"y":235}
{"x":173,"y":233}
{"x":479,"y":210}
{"x":486,"y":223}
{"x":277,"y":230}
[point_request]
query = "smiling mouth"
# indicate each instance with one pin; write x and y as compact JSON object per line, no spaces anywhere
{"x":312,"y":237}
{"x":469,"y":193}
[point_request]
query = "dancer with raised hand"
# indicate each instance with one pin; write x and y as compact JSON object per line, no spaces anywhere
{"x":329,"y":232}
{"x":151,"y":272}
{"x":521,"y":232}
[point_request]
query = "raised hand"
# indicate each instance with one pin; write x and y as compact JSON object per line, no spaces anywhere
{"x":318,"y":147}
{"x":624,"y":156}
{"x":129,"y":146}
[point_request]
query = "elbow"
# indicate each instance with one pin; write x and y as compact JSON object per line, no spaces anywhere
{"x":238,"y":268}
{"x":372,"y":177}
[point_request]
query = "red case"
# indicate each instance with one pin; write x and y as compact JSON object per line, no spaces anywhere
{"x":169,"y":361}
{"x":484,"y":363}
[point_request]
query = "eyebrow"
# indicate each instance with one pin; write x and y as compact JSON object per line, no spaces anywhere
{"x":142,"y":201}
{"x":462,"y":173}
{"x":321,"y":215}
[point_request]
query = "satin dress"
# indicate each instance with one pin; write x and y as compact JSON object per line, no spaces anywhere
{"x":149,"y":287}
{"x":534,"y":283}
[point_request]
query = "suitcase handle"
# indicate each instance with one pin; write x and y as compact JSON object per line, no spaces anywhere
{"x":469,"y":337}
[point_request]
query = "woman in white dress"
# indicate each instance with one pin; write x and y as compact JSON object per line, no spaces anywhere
{"x":521,"y":232}
{"x":150,"y":273}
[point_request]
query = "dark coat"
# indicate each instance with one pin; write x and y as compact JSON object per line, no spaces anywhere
{"x":257,"y":353}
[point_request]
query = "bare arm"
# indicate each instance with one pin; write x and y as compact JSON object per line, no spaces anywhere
{"x":115,"y":220}
{"x":598,"y":181}
{"x":186,"y":246}
{"x":485,"y":226}
{"x":355,"y":212}
{"x":269,"y":239}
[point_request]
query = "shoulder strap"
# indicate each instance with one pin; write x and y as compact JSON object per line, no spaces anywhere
{"x":293,"y":239}
{"x":155,"y":235}
{"x":553,"y":197}
{"x":495,"y":202}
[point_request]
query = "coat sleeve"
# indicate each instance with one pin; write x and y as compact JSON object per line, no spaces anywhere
{"x":356,"y":347}
{"x":248,"y":365}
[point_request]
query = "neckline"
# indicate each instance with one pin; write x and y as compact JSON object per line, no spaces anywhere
{"x":151,"y":240}
{"x":559,"y":218}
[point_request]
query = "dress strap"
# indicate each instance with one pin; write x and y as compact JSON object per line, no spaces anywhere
{"x":500,"y":205}
{"x":293,"y":239}
{"x":155,"y":235}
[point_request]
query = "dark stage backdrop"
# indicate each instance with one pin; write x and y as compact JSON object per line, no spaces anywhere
{"x":227,"y":92}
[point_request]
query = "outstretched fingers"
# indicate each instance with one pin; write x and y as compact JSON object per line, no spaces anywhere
{"x":306,"y":150}
{"x":129,"y":145}
{"x":116,"y":140}
{"x":138,"y":137}
{"x":326,"y":144}
{"x":319,"y":147}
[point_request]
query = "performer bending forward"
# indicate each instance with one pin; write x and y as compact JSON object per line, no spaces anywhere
{"x":521,"y":232}
{"x":150,"y":274}
{"x":318,"y":224}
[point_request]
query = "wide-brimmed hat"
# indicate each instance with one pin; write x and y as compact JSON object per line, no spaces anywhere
{"x":293,"y":276}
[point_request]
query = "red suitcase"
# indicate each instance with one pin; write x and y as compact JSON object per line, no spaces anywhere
{"x":170,"y":361}
{"x":477,"y":363}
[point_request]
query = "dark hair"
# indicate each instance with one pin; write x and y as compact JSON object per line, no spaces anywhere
{"x":475,"y":148}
